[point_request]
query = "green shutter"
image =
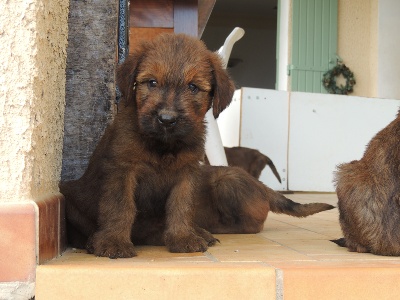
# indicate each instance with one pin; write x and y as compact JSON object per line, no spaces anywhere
{"x":314,"y":43}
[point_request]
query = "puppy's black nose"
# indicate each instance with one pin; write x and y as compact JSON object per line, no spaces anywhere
{"x":167,"y":119}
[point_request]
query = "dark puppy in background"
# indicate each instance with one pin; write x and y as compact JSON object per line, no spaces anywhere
{"x":145,"y":183}
{"x":251,"y":160}
{"x":369,"y":196}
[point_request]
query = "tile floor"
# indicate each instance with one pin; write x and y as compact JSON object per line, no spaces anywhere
{"x":290,"y":259}
{"x":17,"y":242}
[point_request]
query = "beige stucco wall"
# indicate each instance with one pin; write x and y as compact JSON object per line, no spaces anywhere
{"x":33,"y":40}
{"x":388,"y":49}
{"x":357,"y":42}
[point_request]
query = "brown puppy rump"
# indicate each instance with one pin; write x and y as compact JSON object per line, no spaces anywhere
{"x":230,"y":200}
{"x":144,"y":182}
{"x":369,"y":196}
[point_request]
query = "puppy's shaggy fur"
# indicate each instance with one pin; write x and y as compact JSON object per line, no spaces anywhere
{"x":369,"y":196}
{"x":145,"y":183}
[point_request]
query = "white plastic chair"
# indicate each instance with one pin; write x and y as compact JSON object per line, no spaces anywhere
{"x":214,"y":148}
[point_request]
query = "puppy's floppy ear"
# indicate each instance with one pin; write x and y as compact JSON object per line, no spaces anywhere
{"x":223,"y":86}
{"x":127,"y":72}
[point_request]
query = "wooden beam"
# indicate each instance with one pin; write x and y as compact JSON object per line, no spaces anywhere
{"x":152,"y":13}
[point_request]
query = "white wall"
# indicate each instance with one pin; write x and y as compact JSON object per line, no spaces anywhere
{"x":265,"y":127}
{"x":326,"y":130}
{"x":258,"y":119}
{"x":388,"y":49}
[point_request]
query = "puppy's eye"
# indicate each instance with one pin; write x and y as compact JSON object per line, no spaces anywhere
{"x":193,"y":88}
{"x":152,"y":83}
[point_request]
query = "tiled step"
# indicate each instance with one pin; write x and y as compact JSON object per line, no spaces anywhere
{"x":178,"y":277}
{"x":290,"y":259}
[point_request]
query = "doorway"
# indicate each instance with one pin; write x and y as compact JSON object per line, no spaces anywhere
{"x":253,"y":58}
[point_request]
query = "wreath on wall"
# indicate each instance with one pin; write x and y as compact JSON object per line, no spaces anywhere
{"x":329,"y":80}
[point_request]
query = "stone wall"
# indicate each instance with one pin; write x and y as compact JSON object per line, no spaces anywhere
{"x":90,"y":81}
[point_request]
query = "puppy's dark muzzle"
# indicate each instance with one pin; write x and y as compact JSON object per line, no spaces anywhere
{"x":167,"y":119}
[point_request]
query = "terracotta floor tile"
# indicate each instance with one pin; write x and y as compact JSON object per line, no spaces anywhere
{"x":159,"y":254}
{"x":51,"y":226}
{"x":344,"y":255}
{"x":236,"y":248}
{"x":266,"y":254}
{"x":277,"y":224}
{"x":340,"y":283}
{"x":291,"y":257}
{"x":328,"y":264}
{"x":292,"y":234}
{"x":146,"y":254}
{"x":241,"y":239}
{"x":201,"y":281}
{"x":311,"y":246}
{"x":63,"y":227}
{"x":48,"y":228}
{"x":330,"y":198}
{"x":17,"y":242}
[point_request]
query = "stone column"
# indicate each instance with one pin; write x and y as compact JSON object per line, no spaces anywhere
{"x":90,"y":86}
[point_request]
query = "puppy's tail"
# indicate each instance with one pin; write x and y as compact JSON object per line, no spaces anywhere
{"x":281,"y":205}
{"x":273,"y":169}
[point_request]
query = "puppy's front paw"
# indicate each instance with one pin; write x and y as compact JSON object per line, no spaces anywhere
{"x":110,"y":247}
{"x":186,"y":244}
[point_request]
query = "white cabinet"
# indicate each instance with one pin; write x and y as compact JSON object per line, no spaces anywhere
{"x":305,"y":134}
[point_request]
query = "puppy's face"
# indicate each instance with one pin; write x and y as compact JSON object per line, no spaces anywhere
{"x":175,"y":81}
{"x":173,"y":90}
